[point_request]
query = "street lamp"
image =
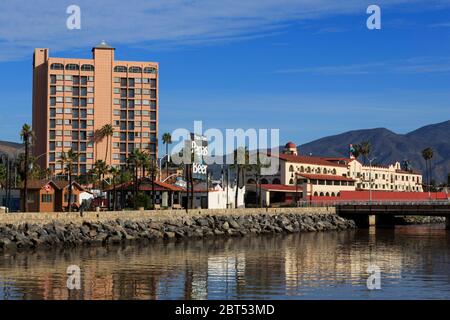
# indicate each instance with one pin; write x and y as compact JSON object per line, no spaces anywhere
{"x":160,"y":159}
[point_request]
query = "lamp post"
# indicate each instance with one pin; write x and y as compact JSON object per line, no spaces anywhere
{"x":160,"y":169}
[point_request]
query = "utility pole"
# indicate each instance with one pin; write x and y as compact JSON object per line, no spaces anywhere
{"x":370,"y":178}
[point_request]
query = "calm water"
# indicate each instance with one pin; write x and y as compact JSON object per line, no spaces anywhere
{"x":414,"y":261}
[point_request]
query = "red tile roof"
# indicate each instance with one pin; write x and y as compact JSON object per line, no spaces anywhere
{"x":146,"y":185}
{"x":324,"y":177}
{"x":308,"y":160}
{"x":280,"y":187}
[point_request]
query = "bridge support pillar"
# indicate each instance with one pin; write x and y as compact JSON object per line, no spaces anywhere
{"x":364,"y":221}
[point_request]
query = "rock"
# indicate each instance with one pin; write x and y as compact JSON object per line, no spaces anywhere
{"x":217,"y":232}
{"x":225,"y":226}
{"x":234,"y":224}
{"x":169,"y":235}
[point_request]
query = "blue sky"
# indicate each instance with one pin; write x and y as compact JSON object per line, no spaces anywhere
{"x":308,"y":67}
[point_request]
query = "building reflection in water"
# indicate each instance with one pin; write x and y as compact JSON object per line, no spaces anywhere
{"x":260,"y":267}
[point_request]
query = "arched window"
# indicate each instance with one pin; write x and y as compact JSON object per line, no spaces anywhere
{"x":149,"y":70}
{"x":327,"y":194}
{"x":325,"y":171}
{"x":291,"y":168}
{"x":87,"y":67}
{"x":308,"y":170}
{"x":316,"y":194}
{"x":264,"y":181}
{"x":72,"y":66}
{"x":318,"y":170}
{"x":134,"y":69}
{"x":302,"y":169}
{"x":334,"y":171}
{"x":276,"y":181}
{"x":321,"y":194}
{"x":120,"y":69}
{"x":333,"y":195}
{"x":291,"y":181}
{"x":338,"y":194}
{"x":57,"y":66}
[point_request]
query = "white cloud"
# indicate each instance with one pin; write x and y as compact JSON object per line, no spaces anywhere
{"x":25,"y":25}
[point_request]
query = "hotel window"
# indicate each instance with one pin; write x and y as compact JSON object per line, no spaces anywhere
{"x":115,"y":145}
{"x":72,"y":66}
{"x":53,"y":101}
{"x":51,"y":156}
{"x":75,"y":102}
{"x":75,"y":91}
{"x":145,"y":123}
{"x":58,"y":166}
{"x":52,"y":79}
{"x":116,"y":156}
{"x":68,"y":99}
{"x":137,"y":134}
{"x":116,"y":134}
{"x":131,"y":93}
{"x":67,"y":110}
{"x":137,"y":102}
{"x":137,"y":112}
{"x":145,"y":112}
{"x":67,"y":133}
{"x":123,"y":93}
{"x":146,"y":102}
{"x":83,"y":80}
{"x":137,"y":145}
{"x":138,"y":80}
{"x":52,"y":90}
{"x":116,"y":101}
{"x":145,"y":134}
{"x":83,"y":91}
{"x":90,"y":111}
{"x":68,"y":78}
{"x":138,"y":91}
{"x":90,"y":100}
{"x":134,"y":70}
{"x":59,"y":77}
{"x":131,"y":82}
{"x":59,"y":99}
{"x":153,"y":115}
{"x":117,"y":91}
{"x":153,"y":94}
{"x":116,"y":123}
{"x":145,"y":91}
{"x":153,"y":83}
{"x":52,"y":134}
{"x":153,"y":126}
{"x":87,"y":67}
{"x":144,"y":145}
{"x":83,"y":114}
{"x":120,"y":69}
{"x":59,"y":88}
{"x":52,"y":146}
{"x":67,"y":122}
{"x":58,"y":133}
{"x":152,"y":104}
{"x":58,"y":145}
{"x":90,"y":144}
{"x":76,"y":80}
{"x":90,"y":89}
{"x":57,"y":66}
{"x":123,"y":82}
{"x":150,"y":70}
{"x":116,"y":80}
{"x":130,"y":103}
{"x":83,"y":102}
{"x":145,"y":80}
{"x":67,"y":89}
{"x":90,"y":79}
{"x":137,"y":123}
{"x":116,"y":112}
{"x":52,"y":112}
{"x":59,"y":110}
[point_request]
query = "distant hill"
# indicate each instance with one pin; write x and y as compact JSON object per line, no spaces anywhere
{"x":9,"y":147}
{"x":389,"y":146}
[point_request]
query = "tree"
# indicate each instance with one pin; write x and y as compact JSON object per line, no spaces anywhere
{"x":152,"y":168}
{"x":27,"y":136}
{"x":2,"y":175}
{"x":167,"y":139}
{"x":427,"y":155}
{"x":125,"y":176}
{"x":68,"y":160}
{"x":364,"y":150}
{"x":114,"y":172}
{"x":99,"y":170}
{"x":107,"y":131}
{"x":241,"y":164}
{"x":256,"y":168}
{"x":134,"y":162}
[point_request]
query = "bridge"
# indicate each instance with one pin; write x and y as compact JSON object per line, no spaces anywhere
{"x":383,"y":213}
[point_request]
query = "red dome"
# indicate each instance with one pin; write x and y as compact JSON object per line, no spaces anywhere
{"x":290,"y":145}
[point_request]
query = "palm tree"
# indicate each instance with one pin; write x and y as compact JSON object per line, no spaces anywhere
{"x":167,"y":139}
{"x":100,"y":169}
{"x":427,"y":155}
{"x":152,"y":168}
{"x":107,"y":131}
{"x":27,"y":136}
{"x":68,"y":160}
{"x":365,"y":149}
{"x":114,"y":172}
{"x":241,"y":163}
{"x":257,"y":167}
{"x":134,"y":162}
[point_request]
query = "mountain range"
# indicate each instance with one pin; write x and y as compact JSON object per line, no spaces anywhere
{"x":389,"y":147}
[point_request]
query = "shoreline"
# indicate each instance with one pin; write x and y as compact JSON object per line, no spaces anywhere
{"x":23,"y":236}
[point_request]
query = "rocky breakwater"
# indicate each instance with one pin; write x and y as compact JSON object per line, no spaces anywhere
{"x":118,"y":231}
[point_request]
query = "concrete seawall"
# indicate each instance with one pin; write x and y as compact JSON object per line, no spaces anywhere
{"x":33,"y":230}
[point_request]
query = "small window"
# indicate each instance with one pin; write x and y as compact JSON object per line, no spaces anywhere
{"x":135,"y":70}
{"x":87,"y":67}
{"x":150,"y":70}
{"x":120,"y":69}
{"x":57,"y":66}
{"x":72,"y":66}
